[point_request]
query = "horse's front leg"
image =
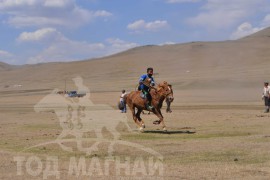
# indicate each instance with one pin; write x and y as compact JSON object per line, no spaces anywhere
{"x":135,"y":117}
{"x":161,"y":119}
{"x":168,"y":110}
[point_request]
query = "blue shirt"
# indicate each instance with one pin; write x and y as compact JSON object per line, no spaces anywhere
{"x":142,"y":78}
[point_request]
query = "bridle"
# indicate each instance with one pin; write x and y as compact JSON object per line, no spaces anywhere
{"x":152,"y":87}
{"x":166,"y":94}
{"x":171,"y":92}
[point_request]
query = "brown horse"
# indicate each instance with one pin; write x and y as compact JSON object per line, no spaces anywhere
{"x":159,"y":94}
{"x":168,"y":101}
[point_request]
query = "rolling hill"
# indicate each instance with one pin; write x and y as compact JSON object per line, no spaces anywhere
{"x":229,"y":66}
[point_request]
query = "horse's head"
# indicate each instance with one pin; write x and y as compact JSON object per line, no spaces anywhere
{"x":170,"y":97}
{"x":166,"y":90}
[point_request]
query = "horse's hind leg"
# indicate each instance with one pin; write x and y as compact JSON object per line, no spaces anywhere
{"x":135,"y":117}
{"x":138,"y":115}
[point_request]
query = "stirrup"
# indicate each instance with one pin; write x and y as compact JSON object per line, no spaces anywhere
{"x":149,"y":107}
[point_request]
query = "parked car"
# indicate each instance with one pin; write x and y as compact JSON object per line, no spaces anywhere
{"x":72,"y":94}
{"x":75,"y":94}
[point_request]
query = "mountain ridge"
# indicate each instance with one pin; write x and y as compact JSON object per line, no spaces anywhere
{"x":238,"y":64}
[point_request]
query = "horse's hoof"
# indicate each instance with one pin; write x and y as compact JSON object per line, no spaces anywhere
{"x":141,"y":129}
{"x":164,"y":129}
{"x":156,"y":122}
{"x":143,"y":125}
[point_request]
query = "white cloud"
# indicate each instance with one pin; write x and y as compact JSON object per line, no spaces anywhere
{"x":221,"y":14}
{"x":102,"y":13}
{"x":266,"y":21}
{"x":5,"y":54}
{"x":7,"y":57}
{"x":56,"y":3}
{"x":5,"y":4}
{"x":156,"y":25}
{"x":182,"y":1}
{"x":67,"y":50}
{"x":247,"y":28}
{"x":33,"y":13}
{"x":117,"y":45}
{"x":167,"y":43}
{"x":141,"y":25}
{"x":59,"y":48}
{"x":39,"y":35}
{"x":243,"y":30}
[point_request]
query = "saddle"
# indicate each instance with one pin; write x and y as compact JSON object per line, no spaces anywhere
{"x":142,"y":95}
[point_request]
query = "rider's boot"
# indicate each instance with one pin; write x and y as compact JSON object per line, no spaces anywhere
{"x":149,"y":106}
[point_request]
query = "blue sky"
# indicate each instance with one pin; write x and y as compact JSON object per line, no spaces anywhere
{"x":38,"y":31}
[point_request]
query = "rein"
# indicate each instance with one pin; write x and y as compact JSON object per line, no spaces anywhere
{"x":168,"y":94}
{"x":165,"y":95}
{"x":151,"y":87}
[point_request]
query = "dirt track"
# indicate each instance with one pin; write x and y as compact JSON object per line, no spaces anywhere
{"x":204,"y":141}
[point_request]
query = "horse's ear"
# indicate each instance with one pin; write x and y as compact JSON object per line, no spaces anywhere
{"x":170,"y":85}
{"x":164,"y":82}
